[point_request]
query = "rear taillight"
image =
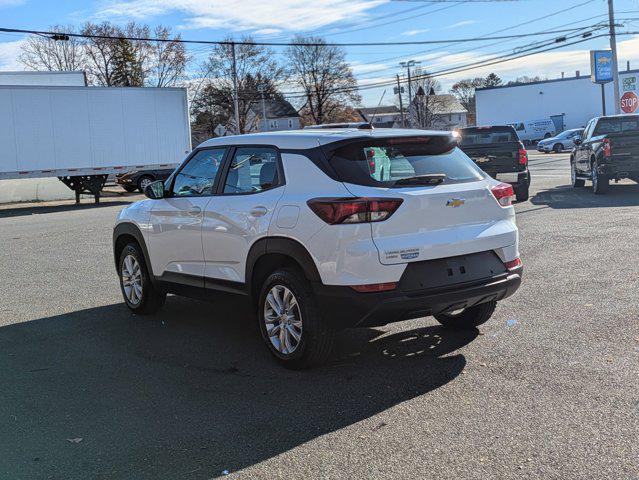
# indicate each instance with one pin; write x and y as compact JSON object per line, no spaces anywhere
{"x":513,"y":264}
{"x":504,"y":194}
{"x":523,"y":155}
{"x":370,"y":156}
{"x":375,"y":287}
{"x":354,"y":210}
{"x":607,"y":147}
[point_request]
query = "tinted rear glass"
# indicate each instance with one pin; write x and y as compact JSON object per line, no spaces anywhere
{"x":385,"y":161}
{"x":487,"y":136}
{"x":617,"y":125}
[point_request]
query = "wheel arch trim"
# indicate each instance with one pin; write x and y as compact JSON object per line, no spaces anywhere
{"x":129,"y":228}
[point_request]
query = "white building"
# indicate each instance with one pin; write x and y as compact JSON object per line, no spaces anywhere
{"x":280,"y":115}
{"x":569,"y":102}
{"x":384,"y":116}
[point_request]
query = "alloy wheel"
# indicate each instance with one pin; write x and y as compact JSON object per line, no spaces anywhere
{"x":283,"y":319}
{"x":145,"y":182}
{"x":132,"y":279}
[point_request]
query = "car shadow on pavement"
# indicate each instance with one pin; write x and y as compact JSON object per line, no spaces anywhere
{"x":21,"y":211}
{"x":191,"y":391}
{"x":565,"y":196}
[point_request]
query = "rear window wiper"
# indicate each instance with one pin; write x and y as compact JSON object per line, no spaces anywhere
{"x":430,"y":179}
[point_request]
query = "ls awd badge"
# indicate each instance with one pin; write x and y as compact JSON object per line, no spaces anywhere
{"x":455,"y":202}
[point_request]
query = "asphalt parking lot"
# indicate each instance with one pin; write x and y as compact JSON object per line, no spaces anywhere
{"x":546,"y":389}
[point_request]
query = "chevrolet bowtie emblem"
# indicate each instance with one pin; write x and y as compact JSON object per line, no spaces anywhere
{"x":455,"y":202}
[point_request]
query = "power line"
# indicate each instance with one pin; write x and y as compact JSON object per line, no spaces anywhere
{"x":61,"y":35}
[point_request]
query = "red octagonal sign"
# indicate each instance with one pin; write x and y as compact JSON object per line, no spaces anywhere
{"x":629,"y":102}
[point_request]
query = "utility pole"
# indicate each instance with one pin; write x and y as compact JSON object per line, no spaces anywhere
{"x":407,"y":65}
{"x":236,"y":106}
{"x":262,"y":88}
{"x":613,"y":47}
{"x":401,"y":106}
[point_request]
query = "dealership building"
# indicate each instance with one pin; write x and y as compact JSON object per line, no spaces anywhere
{"x":569,"y":102}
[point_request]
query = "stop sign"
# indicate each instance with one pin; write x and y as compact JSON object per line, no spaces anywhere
{"x":629,"y":102}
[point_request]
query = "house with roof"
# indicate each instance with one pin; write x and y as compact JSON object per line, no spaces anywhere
{"x":437,"y":112}
{"x":272,"y":115}
{"x":384,"y":116}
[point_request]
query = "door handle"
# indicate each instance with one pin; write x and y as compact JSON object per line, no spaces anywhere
{"x":258,"y":211}
{"x":194,"y":211}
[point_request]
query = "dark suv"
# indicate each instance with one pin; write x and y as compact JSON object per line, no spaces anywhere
{"x":140,"y":179}
{"x":498,"y":152}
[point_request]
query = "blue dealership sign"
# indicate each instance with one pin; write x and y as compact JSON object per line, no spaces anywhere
{"x":601,"y":66}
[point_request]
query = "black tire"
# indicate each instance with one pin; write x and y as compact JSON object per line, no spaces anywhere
{"x":151,"y":298}
{"x":547,"y":135}
{"x":130,"y":189}
{"x":600,"y":183}
{"x":558,"y":148}
{"x":317,"y":338}
{"x":522,"y":193}
{"x":575,"y":182}
{"x":469,"y":318}
{"x":143,"y":179}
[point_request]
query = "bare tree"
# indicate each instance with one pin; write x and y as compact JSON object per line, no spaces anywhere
{"x":464,"y":90}
{"x":101,"y":52}
{"x":166,"y":60}
{"x":255,"y":66}
{"x":324,"y":76}
{"x":44,"y":53}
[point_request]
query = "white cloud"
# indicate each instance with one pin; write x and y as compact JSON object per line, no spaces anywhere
{"x":11,"y":3}
{"x":463,"y":23}
{"x":9,"y":52}
{"x":267,"y":31}
{"x":411,"y":33}
{"x":239,"y":15}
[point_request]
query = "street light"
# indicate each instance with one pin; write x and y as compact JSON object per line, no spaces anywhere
{"x":407,"y":65}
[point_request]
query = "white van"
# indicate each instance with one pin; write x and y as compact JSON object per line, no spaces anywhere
{"x":535,"y":130}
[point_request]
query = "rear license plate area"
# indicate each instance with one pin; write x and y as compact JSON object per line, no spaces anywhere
{"x":445,"y":272}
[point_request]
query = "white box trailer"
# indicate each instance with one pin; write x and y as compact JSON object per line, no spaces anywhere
{"x":83,"y":134}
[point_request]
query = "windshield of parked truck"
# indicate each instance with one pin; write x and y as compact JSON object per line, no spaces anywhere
{"x":616,"y":125}
{"x":487,"y":136}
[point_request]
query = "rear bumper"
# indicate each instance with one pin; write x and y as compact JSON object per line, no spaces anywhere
{"x":343,"y":307}
{"x":514,"y":178}
{"x":622,"y":167}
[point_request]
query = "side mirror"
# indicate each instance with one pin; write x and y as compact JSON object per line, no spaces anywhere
{"x":577,"y":141}
{"x":155,"y":190}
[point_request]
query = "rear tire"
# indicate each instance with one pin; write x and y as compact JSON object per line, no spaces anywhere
{"x":139,"y":293}
{"x":600,"y":183}
{"x":144,"y":182}
{"x":469,"y":318}
{"x":558,"y":148}
{"x":290,"y":321}
{"x":522,"y":193}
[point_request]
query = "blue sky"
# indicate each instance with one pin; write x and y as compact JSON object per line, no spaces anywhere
{"x":357,"y":21}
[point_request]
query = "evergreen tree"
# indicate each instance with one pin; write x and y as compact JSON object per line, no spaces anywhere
{"x":492,"y":80}
{"x":127,"y":68}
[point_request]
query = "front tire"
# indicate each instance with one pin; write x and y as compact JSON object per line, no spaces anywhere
{"x":139,"y":293}
{"x":290,"y":321}
{"x":468,"y":318}
{"x":576,"y":182}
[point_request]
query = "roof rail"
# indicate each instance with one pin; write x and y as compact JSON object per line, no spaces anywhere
{"x":357,"y":125}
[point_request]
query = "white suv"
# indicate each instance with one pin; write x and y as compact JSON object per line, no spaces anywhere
{"x":302,"y":224}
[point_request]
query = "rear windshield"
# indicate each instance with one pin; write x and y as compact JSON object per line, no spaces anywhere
{"x":616,"y":125}
{"x":487,"y":136}
{"x":389,"y":162}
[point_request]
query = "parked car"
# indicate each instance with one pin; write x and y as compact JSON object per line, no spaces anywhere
{"x":498,"y":152}
{"x":140,"y":179}
{"x":560,"y":143}
{"x":532,"y":131}
{"x":316,"y":243}
{"x":608,"y":151}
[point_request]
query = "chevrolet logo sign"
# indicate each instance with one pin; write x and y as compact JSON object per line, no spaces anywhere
{"x":482,"y":160}
{"x":455,"y":202}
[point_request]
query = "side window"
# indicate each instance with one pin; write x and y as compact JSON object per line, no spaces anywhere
{"x":520,"y":127}
{"x":589,"y":128}
{"x":197,"y":178}
{"x":253,"y":169}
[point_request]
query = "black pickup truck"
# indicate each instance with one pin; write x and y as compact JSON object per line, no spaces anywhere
{"x":498,"y":152}
{"x":608,"y":150}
